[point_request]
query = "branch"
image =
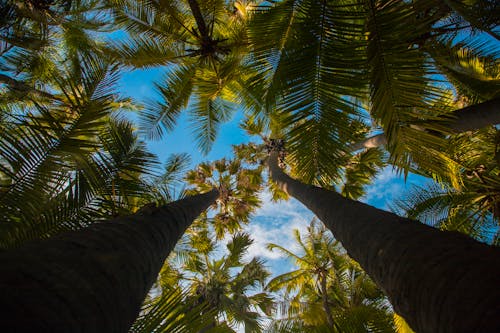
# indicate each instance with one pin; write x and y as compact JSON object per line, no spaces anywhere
{"x":23,"y":87}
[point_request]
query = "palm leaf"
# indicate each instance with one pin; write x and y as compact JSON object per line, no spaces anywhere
{"x":170,"y":313}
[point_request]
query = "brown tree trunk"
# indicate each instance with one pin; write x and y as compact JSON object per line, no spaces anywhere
{"x":198,"y":16}
{"x":439,"y":281}
{"x":92,"y":280}
{"x":467,"y":119}
{"x":476,"y":116}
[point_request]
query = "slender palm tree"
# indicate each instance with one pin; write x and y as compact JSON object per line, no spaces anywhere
{"x":328,"y":289}
{"x":416,"y":266}
{"x":55,"y":163}
{"x":95,"y":279}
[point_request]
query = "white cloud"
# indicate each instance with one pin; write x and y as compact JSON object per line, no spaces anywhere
{"x":388,"y":186}
{"x":274,"y":222}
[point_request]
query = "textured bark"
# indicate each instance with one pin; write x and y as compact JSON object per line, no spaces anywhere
{"x":467,"y":119}
{"x":438,"y":281}
{"x":95,"y":279}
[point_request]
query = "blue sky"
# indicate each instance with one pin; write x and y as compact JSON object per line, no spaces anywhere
{"x":273,"y":222}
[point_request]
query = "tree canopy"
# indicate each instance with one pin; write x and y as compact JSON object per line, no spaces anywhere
{"x":343,"y":87}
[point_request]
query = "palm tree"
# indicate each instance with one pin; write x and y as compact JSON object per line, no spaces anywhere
{"x":228,"y":282}
{"x":238,"y":184}
{"x":63,"y":168}
{"x":203,"y":44}
{"x":319,"y":101}
{"x":328,"y":288}
{"x":408,"y":260}
{"x":95,"y":279}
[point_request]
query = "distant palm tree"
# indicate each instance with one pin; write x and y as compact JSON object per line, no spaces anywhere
{"x":328,"y":289}
{"x":229,"y":283}
{"x":239,"y":187}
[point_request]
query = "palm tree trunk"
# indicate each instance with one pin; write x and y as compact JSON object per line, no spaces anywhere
{"x":21,"y":86}
{"x":95,"y":279}
{"x":476,"y":116}
{"x":374,"y":141}
{"x":438,"y":281}
{"x":324,"y":298}
{"x":467,"y":119}
{"x":200,"y":21}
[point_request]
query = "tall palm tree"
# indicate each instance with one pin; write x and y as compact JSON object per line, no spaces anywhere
{"x":330,"y":289}
{"x":415,"y":265}
{"x":66,"y":167}
{"x":95,"y":279}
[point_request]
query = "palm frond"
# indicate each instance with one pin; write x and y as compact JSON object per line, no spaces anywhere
{"x":159,"y":117}
{"x":170,"y":312}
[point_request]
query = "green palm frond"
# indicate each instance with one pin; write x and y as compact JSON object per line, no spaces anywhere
{"x":360,"y":171}
{"x":170,"y":312}
{"x":479,"y":14}
{"x":313,"y":53}
{"x":449,"y":209}
{"x":237,"y":247}
{"x":474,"y":71}
{"x":144,"y":52}
{"x":207,"y":114}
{"x":400,"y":80}
{"x":175,"y":166}
{"x":286,"y":325}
